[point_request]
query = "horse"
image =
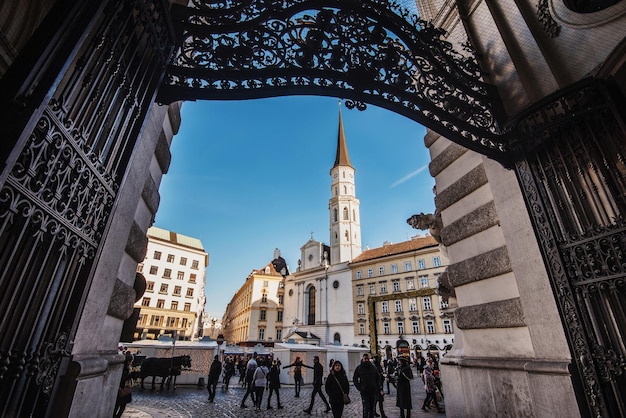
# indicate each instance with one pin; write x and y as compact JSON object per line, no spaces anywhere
{"x":165,"y":367}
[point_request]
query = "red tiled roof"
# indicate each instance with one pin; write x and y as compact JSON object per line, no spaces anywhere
{"x":399,"y":248}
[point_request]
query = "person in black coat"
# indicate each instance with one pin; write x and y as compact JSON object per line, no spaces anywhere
{"x":123,"y":399}
{"x":380,"y":397}
{"x":403,"y":394}
{"x":366,"y":380}
{"x":336,"y":386}
{"x":214,"y":377}
{"x":273,"y":378}
{"x":297,"y":374}
{"x":318,"y":375}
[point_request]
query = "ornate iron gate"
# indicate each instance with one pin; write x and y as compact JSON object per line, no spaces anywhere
{"x":573,"y":174}
{"x":57,"y":193}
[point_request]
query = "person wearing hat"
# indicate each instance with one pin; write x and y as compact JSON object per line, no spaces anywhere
{"x":297,"y":374}
{"x":403,"y":392}
{"x":430,"y":387}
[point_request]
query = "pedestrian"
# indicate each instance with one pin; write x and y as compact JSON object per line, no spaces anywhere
{"x":391,"y":374}
{"x":297,"y":374}
{"x":430,"y":387}
{"x":241,"y":367}
{"x":366,"y":381}
{"x":318,"y":375}
{"x":229,"y":371}
{"x":380,"y":394}
{"x":124,"y":394}
{"x":251,"y":366}
{"x":214,"y":376}
{"x":337,"y":388}
{"x":403,"y":392}
{"x":259,"y":381}
{"x":274,"y":384}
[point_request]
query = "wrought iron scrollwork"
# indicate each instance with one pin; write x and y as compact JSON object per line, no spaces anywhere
{"x":367,"y":51}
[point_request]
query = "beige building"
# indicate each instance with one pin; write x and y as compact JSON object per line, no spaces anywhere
{"x":175,"y":271}
{"x":396,"y":284}
{"x":255,"y":313}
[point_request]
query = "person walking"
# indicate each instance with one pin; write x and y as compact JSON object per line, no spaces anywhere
{"x":274,"y":384}
{"x":430,"y":387}
{"x":297,"y":374}
{"x":214,"y":377}
{"x":318,"y":372}
{"x":124,"y":394}
{"x":250,"y":369}
{"x":229,"y":371}
{"x":403,"y":388}
{"x":259,"y":381}
{"x":380,"y":394}
{"x":337,"y":387}
{"x":391,"y":371}
{"x":366,"y":381}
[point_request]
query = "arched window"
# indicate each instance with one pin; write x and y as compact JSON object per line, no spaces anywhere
{"x":337,"y":338}
{"x":336,"y":214}
{"x":345,"y":190}
{"x":336,"y":237}
{"x":347,"y":234}
{"x":353,"y":215}
{"x":345,"y":214}
{"x":311,"y":306}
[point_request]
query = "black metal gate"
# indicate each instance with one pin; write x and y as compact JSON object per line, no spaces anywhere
{"x":101,"y":70}
{"x":574,"y":179}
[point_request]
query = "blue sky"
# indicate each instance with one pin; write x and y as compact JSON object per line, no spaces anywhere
{"x":250,"y":176}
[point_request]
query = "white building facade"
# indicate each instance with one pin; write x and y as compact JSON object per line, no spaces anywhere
{"x":175,"y":271}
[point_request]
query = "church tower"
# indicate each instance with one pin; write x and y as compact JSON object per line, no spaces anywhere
{"x":345,"y":224}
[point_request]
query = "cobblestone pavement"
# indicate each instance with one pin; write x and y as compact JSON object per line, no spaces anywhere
{"x":192,"y":401}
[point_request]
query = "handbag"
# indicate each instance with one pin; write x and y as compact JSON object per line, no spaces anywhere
{"x":346,"y":398}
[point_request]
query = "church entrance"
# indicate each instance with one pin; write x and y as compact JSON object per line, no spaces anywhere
{"x":75,"y":99}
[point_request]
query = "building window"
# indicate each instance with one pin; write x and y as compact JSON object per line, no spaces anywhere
{"x":421,"y":265}
{"x":383,"y":287}
{"x":427,"y":304}
{"x":447,"y":326}
{"x":263,"y":314}
{"x":396,"y":285}
{"x":443,"y":304}
{"x":163,"y":288}
{"x":370,"y":272}
{"x":407,"y":266}
{"x":192,"y":278}
{"x":412,"y":304}
{"x":264,"y":298}
{"x":184,"y":323}
{"x":180,"y":275}
{"x":279,"y":316}
{"x":281,"y":285}
{"x":360,"y":308}
{"x":400,"y":328}
{"x":384,"y":306}
{"x":386,"y":328}
{"x":187,"y":307}
{"x":170,"y":258}
{"x":183,"y":261}
{"x":145,"y":302}
{"x":177,"y":290}
{"x":359,"y":274}
{"x":335,"y":214}
{"x":359,"y":290}
{"x":154,"y":270}
{"x":261,"y":333}
{"x":190,"y":292}
{"x":281,"y":299}
{"x":194,"y":264}
{"x":311,"y":306}
{"x":170,"y":322}
{"x":372,"y":288}
{"x":398,"y":305}
{"x":157,"y":255}
{"x":415,"y":327}
{"x":394,"y":269}
{"x":361,"y":329}
{"x":161,"y":303}
{"x":430,"y":326}
{"x":436,"y":261}
{"x":410,"y":284}
{"x":266,"y":283}
{"x":279,"y":334}
{"x":424,"y":281}
{"x":140,"y":267}
{"x":155,"y":321}
{"x":150,"y":286}
{"x":381,"y":270}
{"x":174,"y":306}
{"x":345,"y":212}
{"x":167,"y":273}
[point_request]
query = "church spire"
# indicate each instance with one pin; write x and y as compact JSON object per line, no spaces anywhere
{"x":342,"y":157}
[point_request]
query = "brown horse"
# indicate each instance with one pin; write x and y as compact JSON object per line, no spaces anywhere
{"x":164,"y":367}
